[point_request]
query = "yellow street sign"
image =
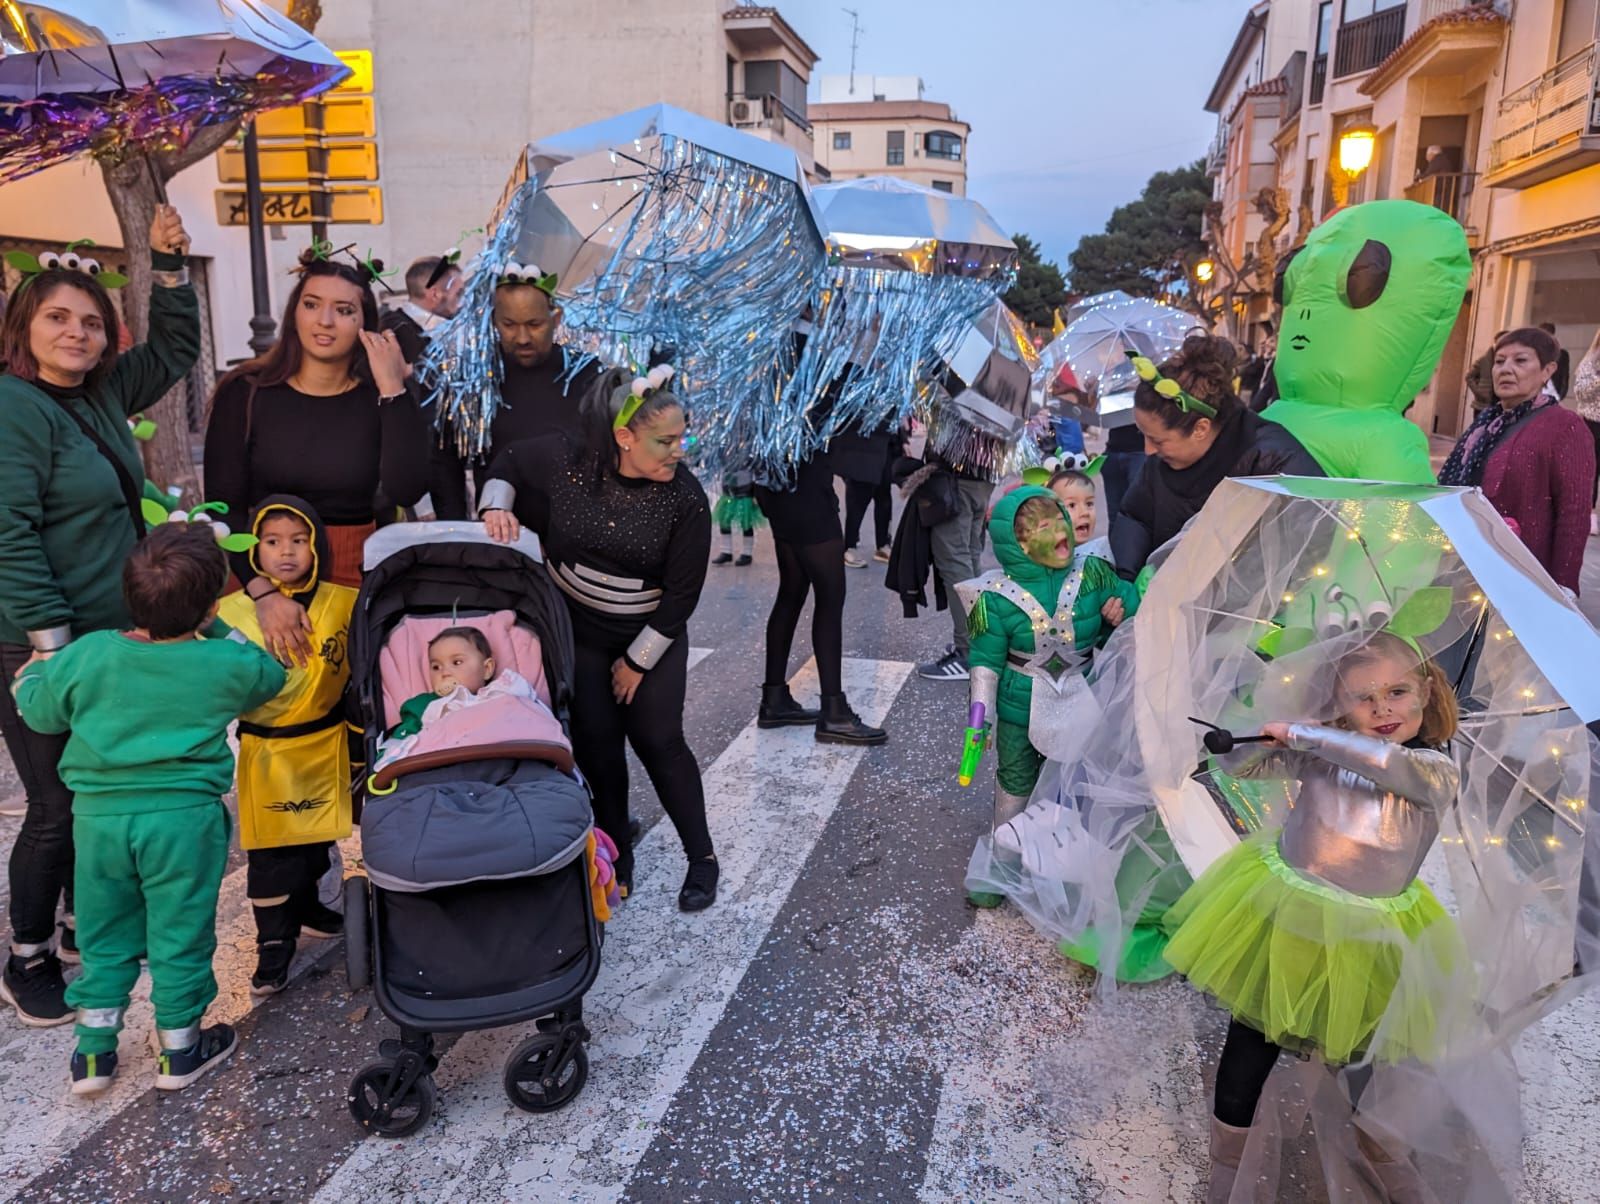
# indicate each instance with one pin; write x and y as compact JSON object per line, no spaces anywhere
{"x":360,"y":64}
{"x":340,"y":117}
{"x":294,"y":164}
{"x":303,"y":206}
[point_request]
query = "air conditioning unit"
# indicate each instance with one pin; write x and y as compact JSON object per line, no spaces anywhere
{"x":741,"y":110}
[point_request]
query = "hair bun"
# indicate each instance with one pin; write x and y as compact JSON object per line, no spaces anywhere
{"x":309,"y":256}
{"x":1205,"y":365}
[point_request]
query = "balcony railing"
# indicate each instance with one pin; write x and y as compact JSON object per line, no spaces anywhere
{"x":1319,"y":78}
{"x":1363,"y":44}
{"x":763,"y":111}
{"x":1217,"y":154}
{"x":1450,"y":191}
{"x":1437,"y":8}
{"x":1563,"y":102}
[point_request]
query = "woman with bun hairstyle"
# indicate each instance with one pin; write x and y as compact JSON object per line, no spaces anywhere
{"x":324,"y":415}
{"x":1195,"y":436}
{"x":626,"y":529}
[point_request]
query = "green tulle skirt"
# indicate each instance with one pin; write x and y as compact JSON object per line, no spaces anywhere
{"x":741,"y":512}
{"x":1314,"y":967}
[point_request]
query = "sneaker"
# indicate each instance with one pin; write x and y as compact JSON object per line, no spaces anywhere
{"x":67,"y":946}
{"x":33,"y":985}
{"x":881,"y":555}
{"x":722,"y":558}
{"x":273,"y":959}
{"x":92,"y":1073}
{"x":177,"y":1068}
{"x":320,"y":923}
{"x":14,"y":806}
{"x":852,"y":559}
{"x":949,"y":667}
{"x":1594,"y":529}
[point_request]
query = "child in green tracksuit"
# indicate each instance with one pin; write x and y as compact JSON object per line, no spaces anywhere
{"x":1033,"y":625}
{"x":147,"y":761}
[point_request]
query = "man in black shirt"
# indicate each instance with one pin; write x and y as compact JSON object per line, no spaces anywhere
{"x":539,"y":394}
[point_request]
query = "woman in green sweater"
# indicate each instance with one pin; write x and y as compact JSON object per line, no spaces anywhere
{"x":70,"y":476}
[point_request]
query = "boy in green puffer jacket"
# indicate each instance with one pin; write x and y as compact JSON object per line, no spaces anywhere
{"x":1034,"y":624}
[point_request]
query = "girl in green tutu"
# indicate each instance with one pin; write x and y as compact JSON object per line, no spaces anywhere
{"x":1318,"y":936}
{"x":737,"y":507}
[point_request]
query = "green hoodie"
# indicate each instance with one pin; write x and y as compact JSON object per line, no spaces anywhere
{"x":64,"y":529}
{"x":1004,"y":628}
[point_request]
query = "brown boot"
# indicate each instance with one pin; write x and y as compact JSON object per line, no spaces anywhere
{"x":1227,"y":1150}
{"x":1399,"y":1177}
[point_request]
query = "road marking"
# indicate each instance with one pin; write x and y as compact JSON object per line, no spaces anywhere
{"x":696,"y":655}
{"x":665,"y":983}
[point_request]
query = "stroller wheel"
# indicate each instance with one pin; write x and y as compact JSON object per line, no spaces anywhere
{"x":539,"y":1079}
{"x":379,"y":1107}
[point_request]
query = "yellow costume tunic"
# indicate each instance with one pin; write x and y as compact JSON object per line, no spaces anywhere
{"x":294,"y":757}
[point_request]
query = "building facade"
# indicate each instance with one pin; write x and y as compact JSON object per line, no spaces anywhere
{"x":1488,"y":112}
{"x":460,"y":89}
{"x":890,"y":131}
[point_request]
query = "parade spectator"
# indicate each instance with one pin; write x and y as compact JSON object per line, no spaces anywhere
{"x":1562,"y":380}
{"x":1195,"y":442}
{"x":433,"y":295}
{"x":1586,"y":400}
{"x":1480,"y":377}
{"x":540,"y":388}
{"x":627,"y":530}
{"x":324,"y":415}
{"x":148,"y":762}
{"x":862,"y":459}
{"x":69,"y":514}
{"x":957,"y":557}
{"x":1533,"y":458}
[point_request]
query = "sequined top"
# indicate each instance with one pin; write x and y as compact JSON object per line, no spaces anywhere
{"x":1585,"y":394}
{"x":1367,"y":811}
{"x":630,"y":555}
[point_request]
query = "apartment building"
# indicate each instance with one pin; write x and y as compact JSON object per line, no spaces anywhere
{"x":884,"y":126}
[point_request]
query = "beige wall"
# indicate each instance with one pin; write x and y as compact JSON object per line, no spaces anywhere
{"x":869,"y":146}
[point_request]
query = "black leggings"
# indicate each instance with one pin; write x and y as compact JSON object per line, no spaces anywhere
{"x":1594,"y":429}
{"x":1247,"y":1062}
{"x":810,"y":568}
{"x":653,"y":725}
{"x":41,"y":859}
{"x":858,"y":495}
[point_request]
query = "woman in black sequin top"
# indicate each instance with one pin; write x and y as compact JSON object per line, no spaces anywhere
{"x":627,"y":534}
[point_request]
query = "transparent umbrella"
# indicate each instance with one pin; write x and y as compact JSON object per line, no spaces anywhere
{"x":133,"y":77}
{"x":665,"y":230}
{"x":1096,"y":343}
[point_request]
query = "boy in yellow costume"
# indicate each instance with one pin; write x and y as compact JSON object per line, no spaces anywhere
{"x":294,"y":756}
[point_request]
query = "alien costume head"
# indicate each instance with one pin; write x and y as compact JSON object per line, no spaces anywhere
{"x":1368,"y":305}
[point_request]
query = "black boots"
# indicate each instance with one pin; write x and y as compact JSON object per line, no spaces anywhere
{"x":779,"y":709}
{"x":699,"y":885}
{"x":277,"y":932}
{"x":840,"y":725}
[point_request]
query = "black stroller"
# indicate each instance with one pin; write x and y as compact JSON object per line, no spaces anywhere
{"x":477,"y":910}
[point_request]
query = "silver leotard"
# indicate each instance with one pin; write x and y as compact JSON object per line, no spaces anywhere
{"x":1367,"y":811}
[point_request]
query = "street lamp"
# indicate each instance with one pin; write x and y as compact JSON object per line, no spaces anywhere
{"x":1204,"y":271}
{"x":1356,"y":146}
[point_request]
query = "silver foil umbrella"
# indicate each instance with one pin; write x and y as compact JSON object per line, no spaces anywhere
{"x":118,"y":78}
{"x":664,"y":231}
{"x":987,"y":394}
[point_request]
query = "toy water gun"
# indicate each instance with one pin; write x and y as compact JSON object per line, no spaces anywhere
{"x":973,"y":744}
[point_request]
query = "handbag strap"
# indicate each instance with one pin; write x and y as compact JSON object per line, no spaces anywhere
{"x":131,"y":493}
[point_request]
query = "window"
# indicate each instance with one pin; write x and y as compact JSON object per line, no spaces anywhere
{"x":897,"y":148}
{"x":942,"y":144}
{"x":1354,"y":10}
{"x":1577,"y":28}
{"x":841,"y":140}
{"x":1324,"y":26}
{"x":776,"y":80}
{"x":943,"y":186}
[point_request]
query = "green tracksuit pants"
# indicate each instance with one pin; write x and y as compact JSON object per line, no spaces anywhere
{"x":146,"y":886}
{"x":1017,"y":770}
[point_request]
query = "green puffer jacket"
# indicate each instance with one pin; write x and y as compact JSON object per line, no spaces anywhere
{"x":1004,"y":628}
{"x":64,"y":529}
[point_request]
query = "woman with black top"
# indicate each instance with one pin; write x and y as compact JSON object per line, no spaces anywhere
{"x":324,"y":415}
{"x":627,"y":533}
{"x":810,"y":550}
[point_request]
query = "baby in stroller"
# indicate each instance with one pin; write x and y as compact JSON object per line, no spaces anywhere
{"x":486,"y":878}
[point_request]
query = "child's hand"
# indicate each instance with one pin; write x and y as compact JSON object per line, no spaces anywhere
{"x":1279,"y":732}
{"x":625,"y":681}
{"x":502,"y":526}
{"x":34,"y":659}
{"x":1114,"y":612}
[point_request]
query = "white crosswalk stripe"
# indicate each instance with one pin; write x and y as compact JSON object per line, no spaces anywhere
{"x":665,"y":983}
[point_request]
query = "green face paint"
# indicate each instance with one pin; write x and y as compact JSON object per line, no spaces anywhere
{"x":1046,"y":539}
